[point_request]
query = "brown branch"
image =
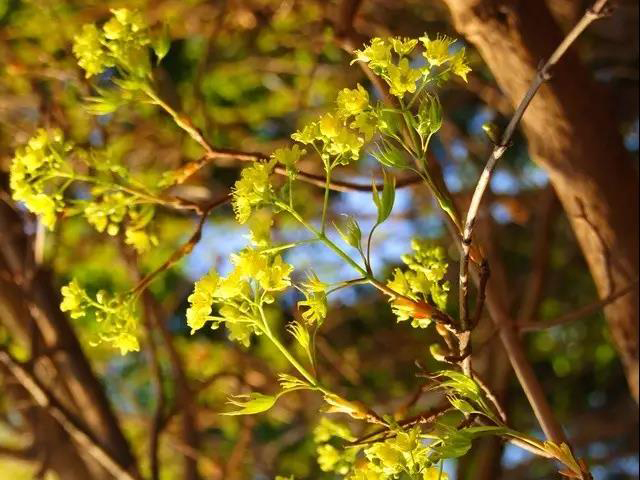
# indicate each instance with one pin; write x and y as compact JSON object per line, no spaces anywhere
{"x":19,"y":453}
{"x":232,"y":469}
{"x":185,"y":401}
{"x":427,"y":416}
{"x":185,"y":249}
{"x":158,"y":414}
{"x":67,"y":421}
{"x":578,"y":313}
{"x":214,"y":154}
{"x":598,"y":10}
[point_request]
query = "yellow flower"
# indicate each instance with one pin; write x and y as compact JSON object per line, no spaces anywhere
{"x":260,"y":225}
{"x":352,"y":101}
{"x":437,"y":51}
{"x":377,"y":54}
{"x":275,"y":277}
{"x":366,"y":123}
{"x":329,"y":125}
{"x":459,"y":64}
{"x":316,"y":303}
{"x":308,"y":134}
{"x":199,"y":311}
{"x":88,"y":49}
{"x":403,"y":46}
{"x":252,"y":189}
{"x":126,"y":342}
{"x":288,"y":156}
{"x":402,"y":78}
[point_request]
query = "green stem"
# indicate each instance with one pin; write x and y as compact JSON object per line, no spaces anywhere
{"x":325,"y":204}
{"x":412,"y":132}
{"x":292,"y":360}
{"x":287,"y":246}
{"x":324,"y":239}
{"x":417,"y":94}
{"x":83,"y":178}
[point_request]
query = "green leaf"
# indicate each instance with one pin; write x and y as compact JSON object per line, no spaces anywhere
{"x":429,"y":116}
{"x":251,"y":404}
{"x":350,"y":233}
{"x":385,"y":202}
{"x":435,"y":114}
{"x":101,"y":105}
{"x":390,"y":156}
{"x":462,"y":405}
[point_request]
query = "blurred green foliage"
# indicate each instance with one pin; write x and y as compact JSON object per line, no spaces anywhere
{"x":249,"y":74}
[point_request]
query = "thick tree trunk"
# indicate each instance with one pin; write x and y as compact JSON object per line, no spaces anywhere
{"x":29,"y":309}
{"x":573,"y":135}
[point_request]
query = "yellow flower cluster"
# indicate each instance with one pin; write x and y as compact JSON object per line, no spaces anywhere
{"x":423,"y":281}
{"x":239,"y":296}
{"x":32,"y":171}
{"x":438,"y":52}
{"x":252,"y":189}
{"x":341,"y":134}
{"x":315,"y":302}
{"x":390,"y":59}
{"x":115,"y":316}
{"x":123,"y":42}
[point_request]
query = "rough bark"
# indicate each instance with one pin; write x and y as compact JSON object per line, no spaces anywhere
{"x":572,"y":134}
{"x":29,"y":310}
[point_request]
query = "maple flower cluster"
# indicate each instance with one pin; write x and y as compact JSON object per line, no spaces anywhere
{"x":33,"y":165}
{"x":115,"y":315}
{"x":240,"y":296}
{"x":423,"y":281}
{"x":404,"y":453}
{"x":122,"y":42}
{"x":252,"y":189}
{"x":389,"y":58}
{"x":340,"y":135}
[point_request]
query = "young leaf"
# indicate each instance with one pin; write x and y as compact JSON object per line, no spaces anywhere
{"x":251,"y":403}
{"x":289,"y":383}
{"x":351,"y":234}
{"x":384,"y":202}
{"x":390,"y":156}
{"x":301,"y":334}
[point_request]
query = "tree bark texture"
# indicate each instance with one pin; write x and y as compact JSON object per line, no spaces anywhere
{"x":572,"y":134}
{"x":29,"y":309}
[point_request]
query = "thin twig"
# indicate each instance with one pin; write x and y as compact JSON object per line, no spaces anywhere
{"x":159,"y":412}
{"x":491,"y":396}
{"x":423,"y":417}
{"x":185,"y":249}
{"x":214,"y":154}
{"x":598,"y":10}
{"x":578,"y":313}
{"x":66,"y":419}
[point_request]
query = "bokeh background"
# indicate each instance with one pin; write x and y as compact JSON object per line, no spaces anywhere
{"x":249,"y":73}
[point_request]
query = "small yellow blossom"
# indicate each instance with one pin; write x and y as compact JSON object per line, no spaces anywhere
{"x":402,"y":78}
{"x":352,"y":101}
{"x":252,"y":189}
{"x":437,"y":51}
